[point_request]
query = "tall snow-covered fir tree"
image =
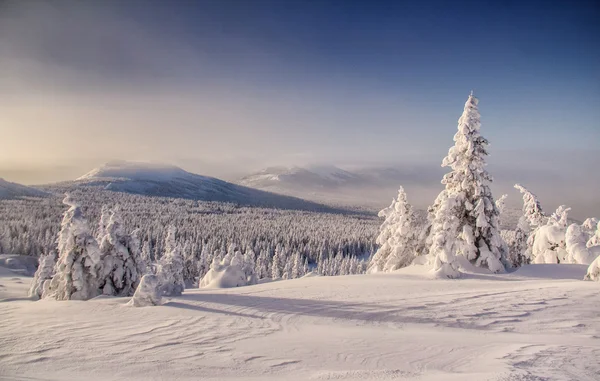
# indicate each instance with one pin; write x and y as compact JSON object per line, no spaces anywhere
{"x":464,"y":216}
{"x":397,"y":237}
{"x":76,"y":270}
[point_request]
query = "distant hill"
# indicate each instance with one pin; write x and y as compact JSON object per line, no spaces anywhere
{"x":10,"y":190}
{"x":170,"y":181}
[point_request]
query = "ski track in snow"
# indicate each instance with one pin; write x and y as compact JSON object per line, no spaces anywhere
{"x":377,"y":327}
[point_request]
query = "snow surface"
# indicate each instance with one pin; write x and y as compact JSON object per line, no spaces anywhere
{"x":22,"y":264}
{"x":539,"y":323}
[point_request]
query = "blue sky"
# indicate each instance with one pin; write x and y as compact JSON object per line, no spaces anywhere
{"x":213,"y":84}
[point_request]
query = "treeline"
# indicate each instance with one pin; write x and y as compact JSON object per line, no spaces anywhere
{"x":326,"y":241}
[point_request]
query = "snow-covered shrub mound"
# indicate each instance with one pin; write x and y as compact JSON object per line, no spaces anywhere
{"x":593,"y":272}
{"x":224,"y":277}
{"x":147,"y":292}
{"x":549,"y":244}
{"x":227,"y":273}
{"x":550,"y":271}
{"x":577,"y":250}
{"x":21,"y":264}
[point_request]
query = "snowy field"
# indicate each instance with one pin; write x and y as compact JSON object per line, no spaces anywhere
{"x":540,"y":323}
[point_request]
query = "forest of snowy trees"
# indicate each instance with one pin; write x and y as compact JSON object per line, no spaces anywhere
{"x":206,"y":233}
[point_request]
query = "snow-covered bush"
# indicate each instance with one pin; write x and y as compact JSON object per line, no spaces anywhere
{"x":595,"y":238}
{"x":465,"y":211}
{"x":548,"y":241}
{"x":170,"y":267}
{"x":397,"y":238}
{"x":44,"y":273}
{"x":593,"y":272}
{"x":76,"y":271}
{"x":577,"y":251}
{"x":225,"y":274}
{"x":147,"y":292}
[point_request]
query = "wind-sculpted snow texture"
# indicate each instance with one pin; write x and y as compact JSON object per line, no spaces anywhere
{"x":539,"y":323}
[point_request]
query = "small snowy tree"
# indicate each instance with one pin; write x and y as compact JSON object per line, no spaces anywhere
{"x":397,"y":237}
{"x":147,"y":292}
{"x":595,"y":239}
{"x":298,"y":267}
{"x":501,"y":205}
{"x":532,"y":219}
{"x":465,"y":211}
{"x":170,"y":267}
{"x":44,"y":273}
{"x":548,"y":241}
{"x":248,"y":266}
{"x":577,"y":251}
{"x":276,"y":270}
{"x":190,"y":268}
{"x":76,"y":270}
{"x":122,"y":265}
{"x":104,"y":219}
{"x":444,"y":242}
{"x":560,"y":217}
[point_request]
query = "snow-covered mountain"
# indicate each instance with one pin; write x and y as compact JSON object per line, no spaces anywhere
{"x":169,"y":181}
{"x":14,"y":190}
{"x":316,"y":177}
{"x":370,"y":187}
{"x":327,"y":177}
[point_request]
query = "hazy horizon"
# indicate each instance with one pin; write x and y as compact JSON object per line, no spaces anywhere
{"x":225,"y":88}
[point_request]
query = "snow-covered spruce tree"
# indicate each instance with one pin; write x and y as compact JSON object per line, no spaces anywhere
{"x":104,"y":219}
{"x":465,"y":210}
{"x":276,"y":268}
{"x":190,"y":269}
{"x":122,"y":265}
{"x":532,"y":219}
{"x":397,"y":237}
{"x":501,"y":205}
{"x":248,"y":266}
{"x":170,"y":267}
{"x":298,"y":267}
{"x":44,"y":273}
{"x":76,"y":270}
